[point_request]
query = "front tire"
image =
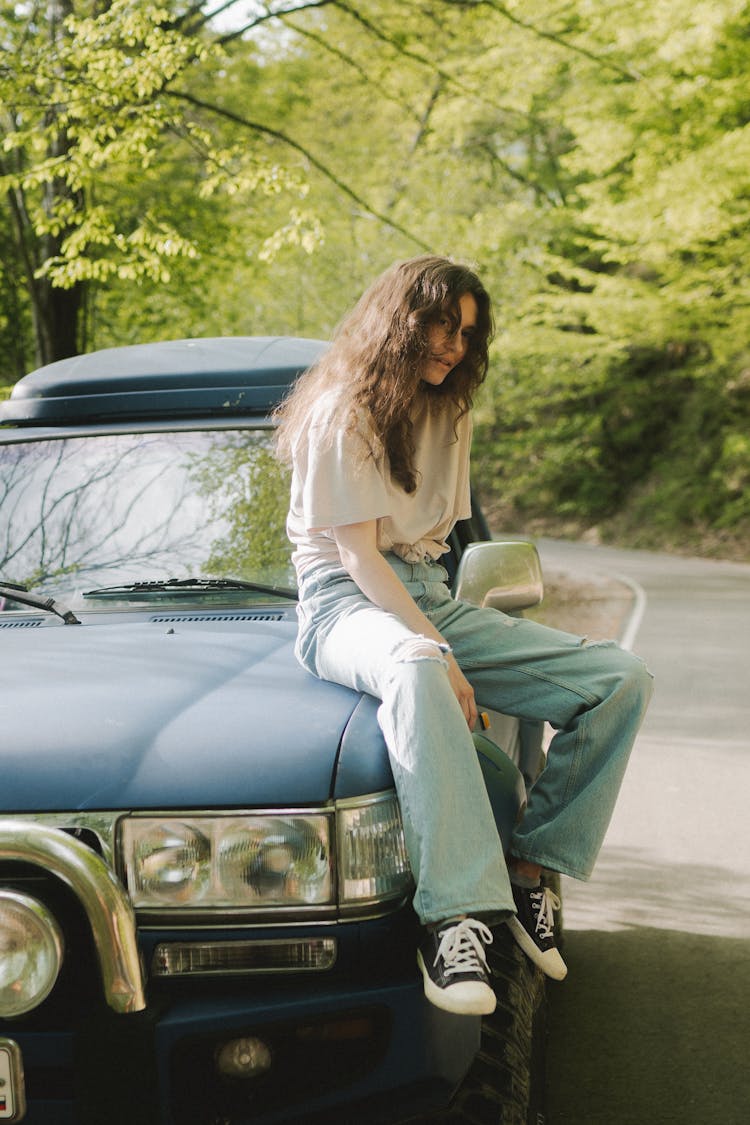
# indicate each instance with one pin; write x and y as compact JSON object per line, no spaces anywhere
{"x":506,"y":1082}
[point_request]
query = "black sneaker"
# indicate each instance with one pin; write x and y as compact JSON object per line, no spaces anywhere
{"x":455,"y":970}
{"x":533,"y":928}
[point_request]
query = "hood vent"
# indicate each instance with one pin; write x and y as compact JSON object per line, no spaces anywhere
{"x":203,"y":618}
{"x":34,"y":623}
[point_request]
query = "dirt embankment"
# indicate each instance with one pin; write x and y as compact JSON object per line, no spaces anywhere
{"x":597,"y":607}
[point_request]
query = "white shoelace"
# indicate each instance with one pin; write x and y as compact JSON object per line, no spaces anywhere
{"x":462,"y":947}
{"x":545,"y":902}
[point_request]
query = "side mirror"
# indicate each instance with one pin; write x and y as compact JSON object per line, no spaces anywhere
{"x":504,"y":576}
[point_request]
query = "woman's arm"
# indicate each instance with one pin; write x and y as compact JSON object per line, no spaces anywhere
{"x":357,"y":544}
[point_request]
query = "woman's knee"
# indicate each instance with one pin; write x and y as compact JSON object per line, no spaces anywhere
{"x":634,"y":677}
{"x":418,"y":667}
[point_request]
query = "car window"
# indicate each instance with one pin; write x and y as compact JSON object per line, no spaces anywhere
{"x":90,"y":512}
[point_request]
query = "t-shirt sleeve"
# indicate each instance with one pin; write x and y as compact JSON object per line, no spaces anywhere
{"x":342,"y":481}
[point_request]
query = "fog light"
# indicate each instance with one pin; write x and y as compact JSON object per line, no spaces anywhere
{"x":243,"y":1058}
{"x":31,"y":950}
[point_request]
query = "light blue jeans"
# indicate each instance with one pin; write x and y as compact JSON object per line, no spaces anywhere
{"x":594,"y":695}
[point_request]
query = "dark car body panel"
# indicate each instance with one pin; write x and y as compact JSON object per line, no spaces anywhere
{"x":126,"y":715}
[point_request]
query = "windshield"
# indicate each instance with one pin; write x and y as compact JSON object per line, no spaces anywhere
{"x":84,"y":513}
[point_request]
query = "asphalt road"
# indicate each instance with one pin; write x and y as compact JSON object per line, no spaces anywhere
{"x":652,"y":1025}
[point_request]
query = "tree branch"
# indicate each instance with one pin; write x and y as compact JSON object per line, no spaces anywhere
{"x":426,"y":61}
{"x":420,"y":134}
{"x":513,"y":173}
{"x":224,"y":39}
{"x":187,"y":22}
{"x":347,"y":60}
{"x":277,"y":135}
{"x":552,"y":36}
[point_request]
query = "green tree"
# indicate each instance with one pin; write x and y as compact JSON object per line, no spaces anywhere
{"x":627,"y":358}
{"x":590,"y":158}
{"x":593,"y":160}
{"x":90,"y":117}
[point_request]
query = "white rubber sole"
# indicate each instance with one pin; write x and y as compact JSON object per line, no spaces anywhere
{"x":549,"y":961}
{"x":464,"y":998}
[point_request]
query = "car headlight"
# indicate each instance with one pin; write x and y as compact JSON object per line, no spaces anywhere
{"x":252,"y":861}
{"x":247,"y":861}
{"x":31,"y":952}
{"x":173,"y":862}
{"x":373,"y":864}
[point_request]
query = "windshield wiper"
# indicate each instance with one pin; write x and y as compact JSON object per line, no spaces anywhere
{"x":16,"y":593}
{"x":187,"y":585}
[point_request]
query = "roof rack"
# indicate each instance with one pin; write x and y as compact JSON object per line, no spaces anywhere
{"x":171,"y":379}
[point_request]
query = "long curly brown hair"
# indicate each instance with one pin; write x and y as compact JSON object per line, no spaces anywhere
{"x":376,"y":357}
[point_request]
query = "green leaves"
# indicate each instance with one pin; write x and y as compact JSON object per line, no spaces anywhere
{"x":92,"y":117}
{"x":95,"y":250}
{"x":593,"y":159}
{"x":81,"y":104}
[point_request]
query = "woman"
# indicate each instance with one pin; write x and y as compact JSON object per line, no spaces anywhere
{"x":378,"y":433}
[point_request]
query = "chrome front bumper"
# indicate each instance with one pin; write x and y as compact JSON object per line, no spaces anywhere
{"x":102,"y":896}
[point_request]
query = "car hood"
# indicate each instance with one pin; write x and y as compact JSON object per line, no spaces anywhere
{"x":144,"y":715}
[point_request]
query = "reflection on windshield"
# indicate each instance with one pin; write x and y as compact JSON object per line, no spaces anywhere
{"x":77,"y":513}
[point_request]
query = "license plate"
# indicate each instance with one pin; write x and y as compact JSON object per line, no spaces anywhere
{"x":12,"y":1097}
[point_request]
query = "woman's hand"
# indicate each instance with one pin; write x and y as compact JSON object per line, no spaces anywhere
{"x":463,"y":691}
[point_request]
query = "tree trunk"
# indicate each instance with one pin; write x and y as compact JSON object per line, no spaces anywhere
{"x":58,"y":314}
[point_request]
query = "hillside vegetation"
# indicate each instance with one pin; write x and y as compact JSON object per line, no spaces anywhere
{"x":167,"y":175}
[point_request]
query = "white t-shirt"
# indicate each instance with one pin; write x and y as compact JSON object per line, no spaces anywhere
{"x":337,"y":482}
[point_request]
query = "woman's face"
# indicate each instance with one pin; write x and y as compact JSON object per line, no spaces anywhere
{"x":447,"y":345}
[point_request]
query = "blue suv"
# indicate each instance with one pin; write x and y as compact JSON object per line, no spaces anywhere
{"x":204,"y":893}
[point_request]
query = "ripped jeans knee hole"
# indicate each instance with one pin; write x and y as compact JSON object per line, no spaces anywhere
{"x":417,"y":648}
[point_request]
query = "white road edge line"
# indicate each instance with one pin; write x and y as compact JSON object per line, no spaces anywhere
{"x":630,"y":632}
